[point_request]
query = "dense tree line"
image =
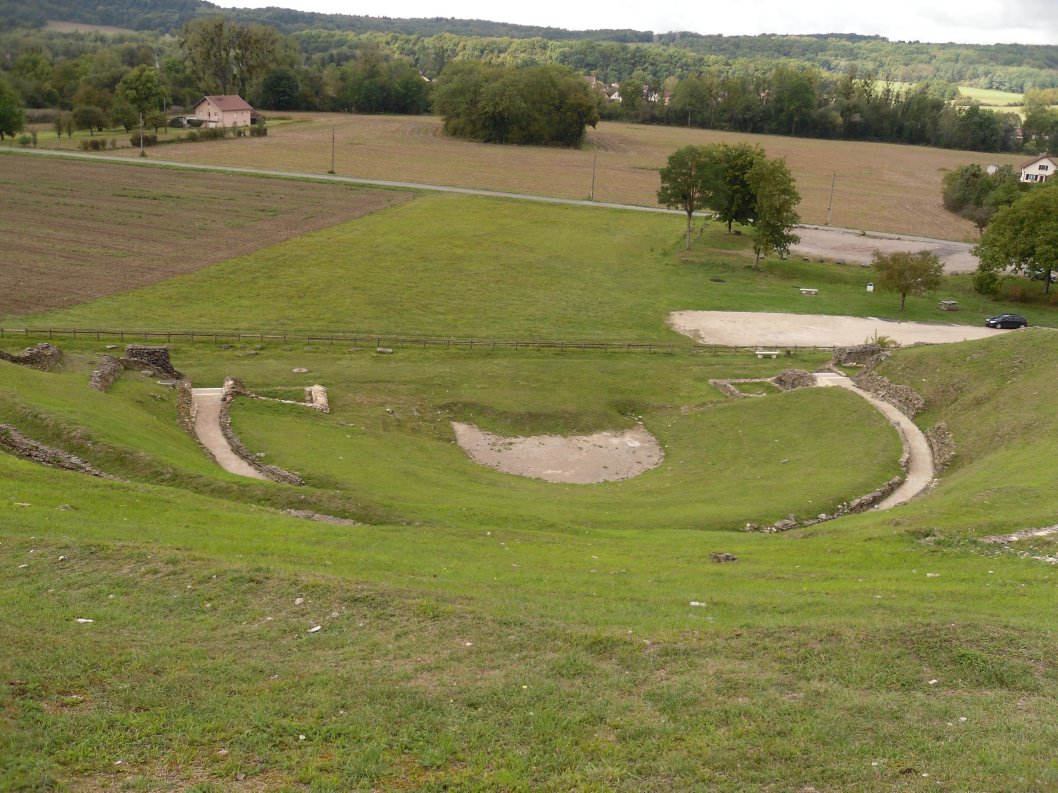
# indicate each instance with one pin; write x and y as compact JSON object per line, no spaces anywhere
{"x":798,"y":99}
{"x":611,"y":54}
{"x":69,"y":71}
{"x":391,"y":72}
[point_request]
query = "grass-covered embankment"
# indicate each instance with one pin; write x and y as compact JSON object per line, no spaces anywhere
{"x":533,"y":650}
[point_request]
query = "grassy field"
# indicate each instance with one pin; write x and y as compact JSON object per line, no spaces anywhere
{"x":476,"y":267}
{"x":878,"y":187}
{"x":73,"y":231}
{"x":494,"y":633}
{"x":993,"y":98}
{"x":477,"y":631}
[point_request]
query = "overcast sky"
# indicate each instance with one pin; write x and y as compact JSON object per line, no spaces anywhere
{"x":970,"y":21}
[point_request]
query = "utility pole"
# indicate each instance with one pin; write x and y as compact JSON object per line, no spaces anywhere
{"x":142,"y":152}
{"x":830,"y":203}
{"x":332,"y":151}
{"x":594,"y":163}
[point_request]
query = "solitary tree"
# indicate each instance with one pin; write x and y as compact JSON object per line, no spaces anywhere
{"x":907,"y":273}
{"x":775,"y":208}
{"x":690,"y":181}
{"x":89,"y":117}
{"x":1022,"y":237}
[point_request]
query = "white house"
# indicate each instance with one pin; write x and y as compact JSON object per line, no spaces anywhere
{"x":228,"y":110}
{"x":1039,"y":169}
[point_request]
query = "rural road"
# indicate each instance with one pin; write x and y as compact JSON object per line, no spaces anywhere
{"x":816,"y":241}
{"x":205,"y":402}
{"x":920,"y":470}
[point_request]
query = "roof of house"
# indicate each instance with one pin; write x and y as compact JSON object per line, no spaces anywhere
{"x":226,"y":102}
{"x":1035,"y":160}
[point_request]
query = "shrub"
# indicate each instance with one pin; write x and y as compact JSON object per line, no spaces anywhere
{"x":191,"y":137}
{"x":258,"y":130}
{"x":24,"y":139}
{"x":148,"y":140}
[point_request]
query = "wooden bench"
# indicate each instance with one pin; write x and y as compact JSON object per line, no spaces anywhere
{"x":767,"y":353}
{"x":948,"y":305}
{"x":807,"y":291}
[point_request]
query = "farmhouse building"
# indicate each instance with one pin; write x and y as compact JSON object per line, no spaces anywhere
{"x":228,"y":110}
{"x":1039,"y":169}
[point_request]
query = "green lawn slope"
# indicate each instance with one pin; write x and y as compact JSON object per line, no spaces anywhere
{"x":538,"y":649}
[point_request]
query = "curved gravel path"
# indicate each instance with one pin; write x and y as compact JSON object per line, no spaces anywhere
{"x":206,"y":404}
{"x":920,"y":470}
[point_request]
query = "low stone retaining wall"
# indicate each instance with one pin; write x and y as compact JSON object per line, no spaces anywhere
{"x":902,"y":397}
{"x":942,"y":444}
{"x":43,"y":357}
{"x":28,"y":449}
{"x":234,"y":387}
{"x":315,"y":395}
{"x":141,"y":356}
{"x":861,"y":504}
{"x":866,"y":355}
{"x":104,"y":375}
{"x":790,"y":379}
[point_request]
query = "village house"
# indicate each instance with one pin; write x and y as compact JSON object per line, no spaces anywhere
{"x":1038,"y":169}
{"x":228,"y":110}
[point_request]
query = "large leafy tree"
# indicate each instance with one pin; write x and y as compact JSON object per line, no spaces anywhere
{"x":907,"y":273}
{"x":691,"y":180}
{"x":528,"y":105}
{"x":775,"y":208}
{"x":227,"y":56}
{"x":12,"y":117}
{"x":141,"y":89}
{"x":1022,"y":237}
{"x":736,"y":203}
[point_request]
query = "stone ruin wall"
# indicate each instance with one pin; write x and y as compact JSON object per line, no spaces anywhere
{"x":43,"y":357}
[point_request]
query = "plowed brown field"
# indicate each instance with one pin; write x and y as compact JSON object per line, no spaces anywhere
{"x":73,"y":231}
{"x":877,"y":186}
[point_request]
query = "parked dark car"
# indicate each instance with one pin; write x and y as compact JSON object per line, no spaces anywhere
{"x":1007,"y":321}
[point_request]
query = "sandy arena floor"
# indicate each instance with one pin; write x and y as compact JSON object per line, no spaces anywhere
{"x":577,"y":459}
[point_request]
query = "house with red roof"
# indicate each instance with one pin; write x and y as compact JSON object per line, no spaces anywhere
{"x":226,"y":110}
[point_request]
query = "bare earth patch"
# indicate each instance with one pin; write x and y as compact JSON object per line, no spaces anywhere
{"x":73,"y":231}
{"x":746,"y":329}
{"x":577,"y":459}
{"x":852,"y":246}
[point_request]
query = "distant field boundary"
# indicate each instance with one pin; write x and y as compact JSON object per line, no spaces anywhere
{"x":377,"y":341}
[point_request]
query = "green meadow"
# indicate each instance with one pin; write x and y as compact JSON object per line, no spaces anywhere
{"x":471,"y":630}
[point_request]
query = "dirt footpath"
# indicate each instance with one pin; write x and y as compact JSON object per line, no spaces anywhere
{"x":206,"y":403}
{"x":748,"y":329}
{"x":848,"y":245}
